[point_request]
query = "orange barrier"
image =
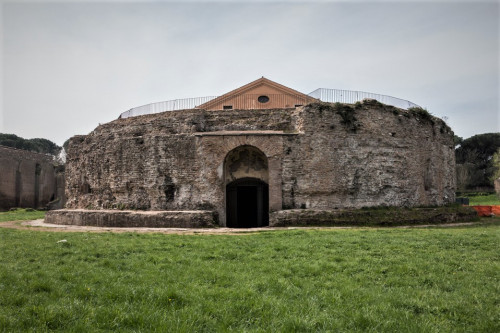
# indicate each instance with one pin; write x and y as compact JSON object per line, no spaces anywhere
{"x":487,"y":210}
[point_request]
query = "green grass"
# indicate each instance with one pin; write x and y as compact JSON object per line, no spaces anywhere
{"x":366,"y":279}
{"x":484,"y":200}
{"x":21,"y":214}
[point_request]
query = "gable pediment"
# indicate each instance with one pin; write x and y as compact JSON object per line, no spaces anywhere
{"x":259,"y":94}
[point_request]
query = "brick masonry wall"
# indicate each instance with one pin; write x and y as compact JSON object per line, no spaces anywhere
{"x":393,"y":158}
{"x":317,"y":158}
{"x":27,"y":179}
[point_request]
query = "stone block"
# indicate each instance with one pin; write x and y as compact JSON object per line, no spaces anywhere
{"x":146,"y":219}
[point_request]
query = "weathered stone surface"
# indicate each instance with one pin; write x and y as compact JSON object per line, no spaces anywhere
{"x":320,"y":156}
{"x":29,"y":180}
{"x":121,"y":218}
{"x":374,"y":217}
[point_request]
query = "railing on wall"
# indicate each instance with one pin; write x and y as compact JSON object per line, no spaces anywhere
{"x":176,"y":104}
{"x":351,"y":97}
{"x":251,"y":102}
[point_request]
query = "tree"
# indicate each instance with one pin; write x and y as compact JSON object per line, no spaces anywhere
{"x":474,"y":158}
{"x":496,"y":165}
{"x":38,"y":145}
{"x":45,"y":146}
{"x":66,"y":144}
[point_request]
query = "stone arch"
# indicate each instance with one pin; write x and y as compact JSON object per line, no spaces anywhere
{"x":246,"y":179}
{"x":246,"y":161}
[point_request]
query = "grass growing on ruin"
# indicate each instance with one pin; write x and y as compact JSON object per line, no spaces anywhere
{"x":21,"y":214}
{"x":429,"y":280}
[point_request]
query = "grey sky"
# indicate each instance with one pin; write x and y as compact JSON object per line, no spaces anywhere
{"x":68,"y":66}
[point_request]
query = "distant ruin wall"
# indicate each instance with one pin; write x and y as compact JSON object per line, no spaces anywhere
{"x":28,"y":179}
{"x":321,"y":156}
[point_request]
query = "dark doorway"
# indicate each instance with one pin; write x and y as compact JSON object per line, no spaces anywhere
{"x":247,"y":203}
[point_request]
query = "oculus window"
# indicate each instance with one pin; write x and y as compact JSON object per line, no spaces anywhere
{"x":263,"y":99}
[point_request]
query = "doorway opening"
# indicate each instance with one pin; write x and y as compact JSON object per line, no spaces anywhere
{"x":247,"y":203}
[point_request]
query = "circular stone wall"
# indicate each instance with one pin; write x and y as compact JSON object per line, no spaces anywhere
{"x":321,"y":156}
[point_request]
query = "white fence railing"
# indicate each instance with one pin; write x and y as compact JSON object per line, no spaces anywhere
{"x":176,"y":104}
{"x":323,"y":94}
{"x":351,"y":97}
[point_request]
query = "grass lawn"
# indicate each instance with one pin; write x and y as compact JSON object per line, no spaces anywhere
{"x":484,"y":200}
{"x":366,"y":279}
{"x":21,"y":214}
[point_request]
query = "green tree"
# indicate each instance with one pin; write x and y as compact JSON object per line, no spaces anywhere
{"x":66,"y":144}
{"x":458,"y":140}
{"x":45,"y":146}
{"x":38,"y":145}
{"x":496,"y":165}
{"x":474,"y":159}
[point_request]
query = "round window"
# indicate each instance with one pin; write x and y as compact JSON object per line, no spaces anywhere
{"x":263,"y":99}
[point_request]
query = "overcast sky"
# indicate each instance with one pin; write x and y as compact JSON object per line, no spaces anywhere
{"x":68,"y":66}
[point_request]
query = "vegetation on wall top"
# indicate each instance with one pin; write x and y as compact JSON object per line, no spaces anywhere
{"x":345,"y":111}
{"x":422,"y":113}
{"x":350,"y":122}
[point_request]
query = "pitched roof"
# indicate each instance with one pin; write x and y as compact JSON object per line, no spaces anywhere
{"x":261,"y":86}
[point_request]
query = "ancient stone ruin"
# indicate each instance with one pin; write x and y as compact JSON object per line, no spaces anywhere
{"x":228,"y":166}
{"x":30,"y":180}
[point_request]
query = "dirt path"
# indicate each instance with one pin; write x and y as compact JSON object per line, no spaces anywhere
{"x":39,"y":225}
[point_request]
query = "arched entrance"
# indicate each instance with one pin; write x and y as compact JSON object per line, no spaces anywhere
{"x":247,"y":191}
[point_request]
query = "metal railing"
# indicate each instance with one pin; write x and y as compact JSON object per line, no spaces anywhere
{"x":245,"y":102}
{"x":176,"y":104}
{"x":351,"y":97}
